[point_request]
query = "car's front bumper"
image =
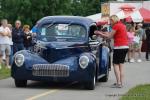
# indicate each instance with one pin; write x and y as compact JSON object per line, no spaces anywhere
{"x":79,"y":74}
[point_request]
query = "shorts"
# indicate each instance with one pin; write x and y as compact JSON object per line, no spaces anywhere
{"x":5,"y":49}
{"x":119,"y":56}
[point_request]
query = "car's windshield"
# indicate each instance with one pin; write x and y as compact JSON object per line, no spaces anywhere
{"x":62,"y":33}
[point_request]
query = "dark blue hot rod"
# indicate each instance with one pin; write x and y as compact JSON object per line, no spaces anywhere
{"x":65,"y":51}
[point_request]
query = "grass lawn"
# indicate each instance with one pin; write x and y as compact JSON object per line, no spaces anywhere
{"x":140,"y":92}
{"x":4,"y":72}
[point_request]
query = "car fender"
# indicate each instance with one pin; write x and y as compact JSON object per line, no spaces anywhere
{"x":30,"y":59}
{"x":91,"y":68}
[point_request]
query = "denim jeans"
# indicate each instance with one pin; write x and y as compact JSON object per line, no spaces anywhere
{"x":17,"y":47}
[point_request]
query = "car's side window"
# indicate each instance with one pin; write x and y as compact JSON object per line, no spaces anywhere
{"x":92,"y":36}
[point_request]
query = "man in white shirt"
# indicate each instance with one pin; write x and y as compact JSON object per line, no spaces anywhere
{"x":5,"y":48}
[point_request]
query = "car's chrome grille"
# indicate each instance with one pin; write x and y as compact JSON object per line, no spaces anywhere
{"x":54,"y":70}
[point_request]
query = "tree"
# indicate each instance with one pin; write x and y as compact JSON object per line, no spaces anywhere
{"x":85,"y":7}
{"x":29,"y":11}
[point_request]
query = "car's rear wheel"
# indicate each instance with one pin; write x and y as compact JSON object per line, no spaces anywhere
{"x":20,"y":83}
{"x":91,"y":84}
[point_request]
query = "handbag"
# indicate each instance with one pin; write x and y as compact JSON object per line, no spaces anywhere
{"x":136,"y":39}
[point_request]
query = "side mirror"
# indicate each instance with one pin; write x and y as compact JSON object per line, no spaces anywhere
{"x":94,"y":37}
{"x":97,"y":38}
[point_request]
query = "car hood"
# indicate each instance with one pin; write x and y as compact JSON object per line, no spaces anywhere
{"x":55,"y":51}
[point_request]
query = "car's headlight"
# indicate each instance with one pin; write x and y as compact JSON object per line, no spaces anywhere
{"x":83,"y":61}
{"x":19,"y":60}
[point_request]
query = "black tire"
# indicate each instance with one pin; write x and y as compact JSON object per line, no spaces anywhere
{"x":20,"y":83}
{"x":91,"y":84}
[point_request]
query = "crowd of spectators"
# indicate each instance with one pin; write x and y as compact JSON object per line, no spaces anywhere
{"x":13,"y":39}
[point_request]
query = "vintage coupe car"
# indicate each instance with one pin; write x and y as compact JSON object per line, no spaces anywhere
{"x":65,"y":51}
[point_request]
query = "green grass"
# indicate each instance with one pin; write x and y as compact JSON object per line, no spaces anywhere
{"x":4,"y":73}
{"x":140,"y":92}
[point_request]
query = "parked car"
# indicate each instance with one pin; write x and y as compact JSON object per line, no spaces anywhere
{"x":64,"y":51}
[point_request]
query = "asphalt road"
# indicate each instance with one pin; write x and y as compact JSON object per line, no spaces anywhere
{"x":135,"y":74}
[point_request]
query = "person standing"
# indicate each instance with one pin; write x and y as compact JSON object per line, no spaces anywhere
{"x":27,"y":37}
{"x":119,"y":34}
{"x":5,"y":48}
{"x":17,"y":37}
{"x":130,"y":35}
{"x":11,"y":45}
{"x":139,"y":33}
{"x":147,"y":31}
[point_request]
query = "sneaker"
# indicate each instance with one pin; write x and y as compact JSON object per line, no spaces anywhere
{"x":115,"y":85}
{"x":119,"y":86}
{"x":132,"y":61}
{"x":139,"y":60}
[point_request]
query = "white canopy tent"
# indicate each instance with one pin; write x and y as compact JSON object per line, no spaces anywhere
{"x":136,"y":16}
{"x":96,"y":17}
{"x":139,"y":15}
{"x":121,"y":14}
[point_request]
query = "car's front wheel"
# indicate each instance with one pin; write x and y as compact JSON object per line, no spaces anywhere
{"x":20,"y":83}
{"x":91,"y":84}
